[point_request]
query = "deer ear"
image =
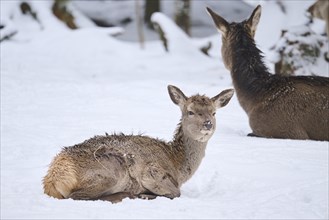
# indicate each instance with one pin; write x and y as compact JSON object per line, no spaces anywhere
{"x":177,"y":96}
{"x":223,"y":98}
{"x":221,"y":23}
{"x":254,"y":19}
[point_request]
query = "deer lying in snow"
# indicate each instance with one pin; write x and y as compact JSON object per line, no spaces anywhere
{"x":295,"y":107}
{"x":114,"y":167}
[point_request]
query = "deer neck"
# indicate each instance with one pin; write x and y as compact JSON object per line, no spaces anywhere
{"x":189,"y":154}
{"x":249,"y":73}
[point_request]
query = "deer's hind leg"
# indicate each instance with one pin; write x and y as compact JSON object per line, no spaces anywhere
{"x":159,"y":182}
{"x":106,"y":178}
{"x":117,"y":197}
{"x":93,"y":189}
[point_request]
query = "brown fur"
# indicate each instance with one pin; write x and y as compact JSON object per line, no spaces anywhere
{"x":113,"y":167}
{"x":61,"y":177}
{"x":295,"y":107}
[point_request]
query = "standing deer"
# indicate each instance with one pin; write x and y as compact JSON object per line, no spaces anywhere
{"x":114,"y":167}
{"x":295,"y":107}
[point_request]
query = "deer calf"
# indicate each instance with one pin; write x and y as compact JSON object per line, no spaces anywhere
{"x":114,"y":167}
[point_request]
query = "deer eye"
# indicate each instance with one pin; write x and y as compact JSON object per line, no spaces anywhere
{"x":213,"y":114}
{"x":190,"y":113}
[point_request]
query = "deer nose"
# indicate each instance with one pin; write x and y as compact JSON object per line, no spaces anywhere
{"x":207,"y":124}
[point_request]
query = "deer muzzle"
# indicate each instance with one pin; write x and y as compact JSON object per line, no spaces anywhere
{"x":207,"y":125}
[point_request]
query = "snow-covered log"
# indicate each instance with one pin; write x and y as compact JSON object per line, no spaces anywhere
{"x":175,"y":39}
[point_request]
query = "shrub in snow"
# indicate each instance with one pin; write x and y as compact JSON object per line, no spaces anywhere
{"x":300,"y":51}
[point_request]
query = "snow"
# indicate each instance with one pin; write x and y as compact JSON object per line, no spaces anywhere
{"x":61,"y":87}
{"x":114,"y":12}
{"x":294,"y":15}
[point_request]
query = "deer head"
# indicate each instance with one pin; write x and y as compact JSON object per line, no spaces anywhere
{"x":198,"y":112}
{"x":230,"y":30}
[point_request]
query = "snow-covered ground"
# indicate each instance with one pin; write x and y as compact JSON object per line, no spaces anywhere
{"x":61,"y":87}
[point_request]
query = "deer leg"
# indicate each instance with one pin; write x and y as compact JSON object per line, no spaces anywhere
{"x":82,"y":194}
{"x":94,"y":188}
{"x":114,"y":198}
{"x":117,"y":197}
{"x":253,"y":135}
{"x":159,"y":182}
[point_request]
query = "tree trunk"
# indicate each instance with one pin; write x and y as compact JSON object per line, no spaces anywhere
{"x":182,"y":14}
{"x":151,"y":6}
{"x":139,"y":24}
